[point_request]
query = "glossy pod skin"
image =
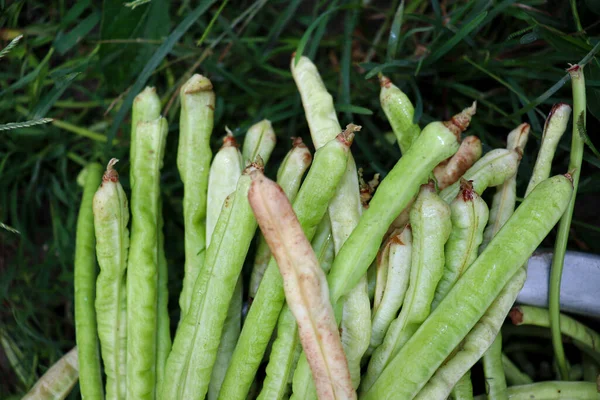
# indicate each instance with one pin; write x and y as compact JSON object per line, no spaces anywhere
{"x":86,"y":330}
{"x":469,"y":217}
{"x":191,"y":361}
{"x":143,"y":264}
{"x":399,"y":112}
{"x":468,"y":300}
{"x":305,"y":289}
{"x":398,"y":253}
{"x":57,"y":382}
{"x":491,"y":170}
{"x":431,"y":227}
{"x":310,"y":206}
{"x":111,"y":215}
{"x":289,"y":177}
{"x":193,"y":162}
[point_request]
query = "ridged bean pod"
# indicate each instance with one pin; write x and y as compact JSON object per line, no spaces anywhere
{"x":194,"y":352}
{"x":553,"y":390}
{"x":259,"y":141}
{"x":111,"y":215}
{"x":310,"y":206}
{"x":193,"y":161}
{"x":491,"y":170}
{"x":143,"y":326}
{"x":85,"y":271}
{"x":449,"y":171}
{"x":57,"y":382}
{"x":399,"y":112}
{"x":469,"y":217}
{"x":472,"y":295}
{"x":289,"y":177}
{"x":305,"y":289}
{"x":431,"y":227}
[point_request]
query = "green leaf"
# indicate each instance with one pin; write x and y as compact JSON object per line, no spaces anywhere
{"x":10,"y":46}
{"x":48,"y":100}
{"x":65,"y":41}
{"x":349,"y":108}
{"x":308,"y":32}
{"x":392,"y":46}
{"x":154,"y":62}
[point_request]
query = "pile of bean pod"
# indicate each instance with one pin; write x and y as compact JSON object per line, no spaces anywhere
{"x":388,"y":289}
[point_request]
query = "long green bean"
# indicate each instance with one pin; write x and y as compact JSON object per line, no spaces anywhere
{"x":553,"y":391}
{"x":513,"y":374}
{"x":460,"y":310}
{"x":562,"y":236}
{"x":86,"y":330}
{"x":111,"y":215}
{"x":57,"y":382}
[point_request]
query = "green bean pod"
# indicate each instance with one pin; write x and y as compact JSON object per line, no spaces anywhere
{"x":143,"y":331}
{"x":505,"y":198}
{"x":463,"y":390}
{"x":194,"y":352}
{"x":450,"y":171}
{"x":323,"y":245}
{"x":399,"y":112}
{"x":310,"y":206}
{"x":289,"y":177}
{"x":225,"y":171}
{"x":111,"y":215}
{"x":491,"y":170}
{"x":163,"y":322}
{"x":146,"y":107}
{"x":469,"y":217}
{"x":554,"y":128}
{"x":514,"y":375}
{"x":472,"y":295}
{"x":431,"y":227}
{"x":86,"y":330}
{"x":58,"y":381}
{"x":494,"y":371}
{"x":259,"y":141}
{"x":436,"y":143}
{"x":475,"y":343}
{"x":193,"y":161}
{"x":553,"y":390}
{"x":394,"y":285}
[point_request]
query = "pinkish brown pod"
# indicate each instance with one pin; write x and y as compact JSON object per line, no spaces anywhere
{"x":449,"y":171}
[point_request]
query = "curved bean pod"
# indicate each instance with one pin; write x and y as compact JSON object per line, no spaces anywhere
{"x":554,"y":128}
{"x":475,"y":343}
{"x":463,"y":390}
{"x":305,"y":289}
{"x":193,"y":161}
{"x":513,"y":374}
{"x":399,"y":112}
{"x":58,"y":381}
{"x":431,"y":227}
{"x":192,"y":358}
{"x":448,"y":172}
{"x":143,"y":265}
{"x":289,"y":177}
{"x":259,"y":141}
{"x":494,"y":370}
{"x":553,"y":390}
{"x":395,"y":284}
{"x":436,"y":142}
{"x":225,"y":171}
{"x":505,"y":198}
{"x":111,"y":215}
{"x":310,"y":206}
{"x":469,"y":216}
{"x":86,"y":330}
{"x":472,"y":295}
{"x":491,"y":170}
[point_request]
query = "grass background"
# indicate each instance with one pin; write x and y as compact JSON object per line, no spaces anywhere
{"x":82,"y":62}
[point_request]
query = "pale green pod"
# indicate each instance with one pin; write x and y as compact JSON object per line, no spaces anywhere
{"x":163,"y":322}
{"x":85,"y":274}
{"x":491,"y":170}
{"x":494,"y":370}
{"x":194,"y":352}
{"x":225,"y":171}
{"x":399,"y":112}
{"x":143,"y":264}
{"x":289,"y":177}
{"x":193,"y":161}
{"x":323,"y":245}
{"x":472,"y":295}
{"x":57,"y":382}
{"x":395,"y":284}
{"x":463,"y":390}
{"x":469,"y":217}
{"x":431,"y":227}
{"x":111,"y":216}
{"x":505,"y":198}
{"x":475,"y":343}
{"x":259,"y":141}
{"x":146,"y":107}
{"x":554,"y":128}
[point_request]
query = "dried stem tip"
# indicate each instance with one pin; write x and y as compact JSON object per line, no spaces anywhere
{"x":516,"y":315}
{"x":297,"y":142}
{"x":384,"y":81}
{"x":229,"y":140}
{"x":111,"y":174}
{"x":460,"y":122}
{"x":347,"y":136}
{"x":466,"y":189}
